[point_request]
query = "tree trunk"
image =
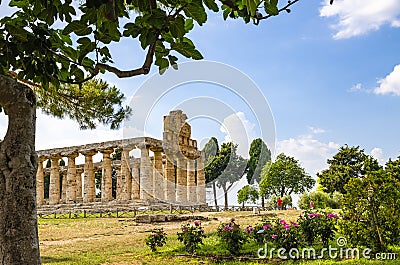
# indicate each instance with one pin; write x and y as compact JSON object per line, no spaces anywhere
{"x":262,"y":202}
{"x":215,"y":195}
{"x":19,"y":242}
{"x":225,"y":197}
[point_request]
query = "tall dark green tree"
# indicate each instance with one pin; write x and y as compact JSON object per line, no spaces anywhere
{"x":56,"y":49}
{"x":346,"y":164}
{"x":232,"y":167}
{"x":392,"y":167}
{"x":211,"y":150}
{"x":259,"y":156}
{"x":284,"y":177}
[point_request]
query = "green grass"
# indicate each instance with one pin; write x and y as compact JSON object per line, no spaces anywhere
{"x":115,"y":241}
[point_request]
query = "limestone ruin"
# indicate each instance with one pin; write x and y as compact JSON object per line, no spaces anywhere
{"x":174,"y":173}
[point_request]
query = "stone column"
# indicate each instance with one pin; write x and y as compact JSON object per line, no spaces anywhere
{"x":71,"y":178}
{"x":191,"y":182}
{"x":79,"y":172}
{"x":201,"y":181}
{"x":63,"y":185}
{"x":145,"y":174}
{"x":40,"y":182}
{"x":106,"y":176}
{"x":169,"y":181}
{"x":54,"y":188}
{"x":126,"y":179}
{"x":158,"y":181}
{"x":89,"y":186}
{"x":135,"y":195}
{"x":181,"y":180}
{"x":118,"y":188}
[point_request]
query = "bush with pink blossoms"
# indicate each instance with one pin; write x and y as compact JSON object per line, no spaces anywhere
{"x":157,"y":238}
{"x":232,"y":236}
{"x":318,"y":226}
{"x":191,"y":236}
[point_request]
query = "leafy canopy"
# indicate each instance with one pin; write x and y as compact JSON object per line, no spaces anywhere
{"x":58,"y":41}
{"x":53,"y":44}
{"x":259,"y":155}
{"x":370,"y":211}
{"x":247,"y":194}
{"x":348,"y":163}
{"x":283,"y":177}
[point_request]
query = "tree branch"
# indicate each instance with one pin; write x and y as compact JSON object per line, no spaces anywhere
{"x":290,"y":3}
{"x":145,"y":69}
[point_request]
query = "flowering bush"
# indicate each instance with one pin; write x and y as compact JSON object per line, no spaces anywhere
{"x":157,"y":238}
{"x":233,"y":236}
{"x":263,"y":232}
{"x":191,"y":236}
{"x":286,"y":235}
{"x":316,"y":225}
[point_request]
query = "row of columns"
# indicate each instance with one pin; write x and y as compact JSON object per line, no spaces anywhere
{"x":145,"y":180}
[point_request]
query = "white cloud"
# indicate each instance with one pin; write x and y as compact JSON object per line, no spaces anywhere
{"x":311,"y":153}
{"x":379,"y":155}
{"x":316,"y":130}
{"x":358,"y":17}
{"x":356,"y":88}
{"x":239,"y":130}
{"x":390,"y":84}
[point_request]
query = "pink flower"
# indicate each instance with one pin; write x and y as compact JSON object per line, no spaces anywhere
{"x":313,"y":215}
{"x":197,"y":223}
{"x":282,"y":222}
{"x":185,"y":229}
{"x":294,"y":224}
{"x":273,"y":236}
{"x":265,"y":227}
{"x":232,"y":219}
{"x":230,"y":228}
{"x":286,"y":226}
{"x":332,"y":215}
{"x":249,"y":229}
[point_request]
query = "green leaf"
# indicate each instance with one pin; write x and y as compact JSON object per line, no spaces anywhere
{"x":177,"y":27}
{"x":196,"y":11}
{"x":271,"y":8}
{"x":226,"y":13}
{"x":187,"y":49}
{"x":18,"y":33}
{"x":162,"y":64}
{"x":172,"y":60}
{"x":251,"y":5}
{"x":189,"y":25}
{"x":73,"y":27}
{"x":210,"y":4}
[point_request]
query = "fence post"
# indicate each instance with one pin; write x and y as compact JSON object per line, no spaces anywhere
{"x":117,"y":212}
{"x":84,"y":213}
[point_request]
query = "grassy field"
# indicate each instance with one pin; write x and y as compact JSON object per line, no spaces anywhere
{"x":115,"y":241}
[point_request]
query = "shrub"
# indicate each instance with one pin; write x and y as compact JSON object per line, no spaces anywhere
{"x":318,"y":226}
{"x":285,"y":235}
{"x":371,"y":209}
{"x":191,"y":236}
{"x":232,"y":236}
{"x":157,"y":238}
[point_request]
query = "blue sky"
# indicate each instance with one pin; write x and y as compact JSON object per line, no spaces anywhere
{"x":328,"y":73}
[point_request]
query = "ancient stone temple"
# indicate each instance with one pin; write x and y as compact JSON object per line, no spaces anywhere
{"x":168,"y":170}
